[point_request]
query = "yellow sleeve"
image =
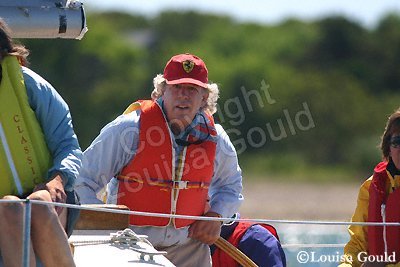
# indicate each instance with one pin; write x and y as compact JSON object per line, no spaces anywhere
{"x":358,"y":234}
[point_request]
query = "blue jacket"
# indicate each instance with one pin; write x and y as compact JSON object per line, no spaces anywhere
{"x":259,"y":244}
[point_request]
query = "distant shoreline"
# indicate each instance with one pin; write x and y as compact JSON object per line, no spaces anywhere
{"x":299,"y":201}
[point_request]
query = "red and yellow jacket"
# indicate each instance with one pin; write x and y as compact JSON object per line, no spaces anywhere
{"x":374,"y":192}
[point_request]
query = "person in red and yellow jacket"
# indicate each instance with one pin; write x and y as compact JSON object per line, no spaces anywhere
{"x":378,"y":201}
{"x":167,"y":156}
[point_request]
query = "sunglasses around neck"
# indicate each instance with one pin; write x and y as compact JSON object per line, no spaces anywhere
{"x":182,"y":142}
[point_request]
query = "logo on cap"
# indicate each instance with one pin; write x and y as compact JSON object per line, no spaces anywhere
{"x":188,"y":65}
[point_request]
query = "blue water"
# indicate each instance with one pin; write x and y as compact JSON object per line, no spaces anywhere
{"x":301,"y":244}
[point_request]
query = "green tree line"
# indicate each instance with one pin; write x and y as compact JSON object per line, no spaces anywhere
{"x":293,"y":96}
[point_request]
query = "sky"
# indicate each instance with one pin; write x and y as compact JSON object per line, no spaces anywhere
{"x":366,"y":12}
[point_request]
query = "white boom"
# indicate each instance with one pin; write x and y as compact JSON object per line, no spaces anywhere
{"x":44,"y":18}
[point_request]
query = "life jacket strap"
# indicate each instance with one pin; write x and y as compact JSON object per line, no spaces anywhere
{"x":166,"y":183}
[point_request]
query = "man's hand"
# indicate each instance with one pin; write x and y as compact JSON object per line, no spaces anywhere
{"x":56,"y":189}
{"x":206,"y":231}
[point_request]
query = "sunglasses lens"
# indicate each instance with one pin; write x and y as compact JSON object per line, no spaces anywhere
{"x":395,"y":141}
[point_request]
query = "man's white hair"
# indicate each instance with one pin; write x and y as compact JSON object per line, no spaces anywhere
{"x":213,"y":93}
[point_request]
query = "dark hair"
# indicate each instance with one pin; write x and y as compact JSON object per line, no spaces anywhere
{"x":392,"y":127}
{"x":9,"y":47}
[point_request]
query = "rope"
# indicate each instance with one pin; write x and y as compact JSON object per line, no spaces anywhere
{"x":128,"y":237}
{"x":235,"y":253}
{"x":203,"y":218}
{"x":90,"y":242}
{"x":125,"y":237}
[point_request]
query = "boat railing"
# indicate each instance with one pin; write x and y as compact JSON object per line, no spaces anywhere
{"x":27,"y":203}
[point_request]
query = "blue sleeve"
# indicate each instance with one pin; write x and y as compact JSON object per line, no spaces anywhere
{"x":112,"y":149}
{"x":262,"y":247}
{"x":55,"y":119}
{"x":226,"y":187}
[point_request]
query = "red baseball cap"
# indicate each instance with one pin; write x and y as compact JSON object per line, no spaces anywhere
{"x":186,"y":68}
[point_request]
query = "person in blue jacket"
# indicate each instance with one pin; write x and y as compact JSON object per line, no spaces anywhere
{"x":39,"y":160}
{"x":260,"y":242}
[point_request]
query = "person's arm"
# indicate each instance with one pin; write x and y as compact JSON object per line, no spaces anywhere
{"x":262,"y":247}
{"x":55,"y":119}
{"x":106,"y":156}
{"x":226,"y":187}
{"x":225,"y":191}
{"x":358,"y":234}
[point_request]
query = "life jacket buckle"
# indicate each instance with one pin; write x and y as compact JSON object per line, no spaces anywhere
{"x":182,"y":184}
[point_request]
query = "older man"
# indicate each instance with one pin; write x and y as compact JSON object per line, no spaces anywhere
{"x":168,"y":156}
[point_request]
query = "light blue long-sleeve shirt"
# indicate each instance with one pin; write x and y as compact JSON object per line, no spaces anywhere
{"x":115,"y":147}
{"x":55,"y":119}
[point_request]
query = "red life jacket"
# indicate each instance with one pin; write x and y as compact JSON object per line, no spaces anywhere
{"x":152,"y":183}
{"x":378,"y":197}
{"x":221,"y":259}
